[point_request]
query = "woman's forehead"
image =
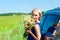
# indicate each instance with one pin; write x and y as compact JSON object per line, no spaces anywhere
{"x":35,"y":12}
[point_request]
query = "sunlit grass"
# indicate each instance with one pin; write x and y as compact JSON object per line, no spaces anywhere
{"x":11,"y":27}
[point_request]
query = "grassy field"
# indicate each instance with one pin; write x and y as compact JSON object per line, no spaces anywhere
{"x":11,"y":27}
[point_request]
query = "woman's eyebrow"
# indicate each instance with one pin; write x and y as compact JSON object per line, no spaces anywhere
{"x":34,"y":14}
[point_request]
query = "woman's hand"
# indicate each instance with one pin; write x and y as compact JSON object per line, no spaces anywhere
{"x":28,"y":31}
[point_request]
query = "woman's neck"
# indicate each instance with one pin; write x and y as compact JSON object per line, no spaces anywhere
{"x":37,"y":21}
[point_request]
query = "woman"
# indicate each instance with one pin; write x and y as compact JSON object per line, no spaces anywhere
{"x":35,"y":32}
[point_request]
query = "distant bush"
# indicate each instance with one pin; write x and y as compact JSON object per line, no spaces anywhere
{"x":13,"y":14}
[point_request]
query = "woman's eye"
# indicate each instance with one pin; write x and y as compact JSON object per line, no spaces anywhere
{"x":35,"y":15}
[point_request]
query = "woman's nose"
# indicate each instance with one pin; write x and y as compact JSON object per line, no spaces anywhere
{"x":34,"y":17}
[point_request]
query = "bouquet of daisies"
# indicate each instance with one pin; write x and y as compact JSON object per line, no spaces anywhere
{"x":28,"y":22}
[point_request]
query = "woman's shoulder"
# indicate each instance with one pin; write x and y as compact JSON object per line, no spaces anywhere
{"x":39,"y":23}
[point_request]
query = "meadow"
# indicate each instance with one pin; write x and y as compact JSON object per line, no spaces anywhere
{"x":12,"y":28}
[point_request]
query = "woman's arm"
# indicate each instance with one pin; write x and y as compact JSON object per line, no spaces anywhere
{"x":29,"y":31}
{"x":38,"y":35}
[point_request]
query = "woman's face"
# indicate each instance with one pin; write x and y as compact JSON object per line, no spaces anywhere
{"x":35,"y":15}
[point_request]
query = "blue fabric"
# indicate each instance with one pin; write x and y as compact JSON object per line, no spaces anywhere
{"x":50,"y":31}
{"x":49,"y":18}
{"x":49,"y":34}
{"x":33,"y":31}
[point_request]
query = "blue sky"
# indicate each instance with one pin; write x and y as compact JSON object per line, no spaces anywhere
{"x":26,"y":6}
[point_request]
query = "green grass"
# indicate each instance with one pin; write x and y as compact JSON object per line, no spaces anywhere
{"x":11,"y":27}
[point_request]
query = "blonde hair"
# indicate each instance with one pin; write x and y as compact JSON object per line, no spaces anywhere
{"x":39,"y":11}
